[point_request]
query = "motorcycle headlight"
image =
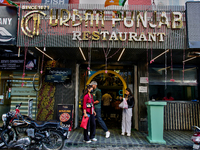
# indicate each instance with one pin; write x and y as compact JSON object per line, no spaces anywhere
{"x":4,"y":117}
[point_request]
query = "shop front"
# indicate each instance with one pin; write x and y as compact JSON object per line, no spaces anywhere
{"x":12,"y":65}
{"x":140,"y":47}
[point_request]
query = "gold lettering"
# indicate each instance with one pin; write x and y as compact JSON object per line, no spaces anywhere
{"x":125,"y":20}
{"x":163,"y":20}
{"x":161,"y":36}
{"x":154,"y":24}
{"x":76,"y":35}
{"x":38,"y":25}
{"x":142,"y":19}
{"x":120,"y":36}
{"x":115,"y":19}
{"x":104,"y":35}
{"x":98,"y":13}
{"x":142,"y":36}
{"x":75,"y":13}
{"x":132,"y":36}
{"x":86,"y":35}
{"x":152,"y":36}
{"x":178,"y":20}
{"x":95,"y":35}
{"x":86,"y":18}
{"x":51,"y":18}
{"x":113,"y":36}
{"x":61,"y":17}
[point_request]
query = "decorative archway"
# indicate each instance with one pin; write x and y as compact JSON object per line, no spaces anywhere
{"x":112,"y":72}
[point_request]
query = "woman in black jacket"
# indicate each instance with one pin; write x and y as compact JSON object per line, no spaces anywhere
{"x":127,"y":113}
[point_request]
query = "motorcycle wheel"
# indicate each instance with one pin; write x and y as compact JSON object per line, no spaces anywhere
{"x":56,"y":142}
{"x":9,"y":136}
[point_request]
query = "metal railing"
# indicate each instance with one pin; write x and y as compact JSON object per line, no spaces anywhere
{"x":181,"y":115}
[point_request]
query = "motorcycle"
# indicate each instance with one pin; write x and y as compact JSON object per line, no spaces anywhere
{"x":196,"y":138}
{"x":21,"y":131}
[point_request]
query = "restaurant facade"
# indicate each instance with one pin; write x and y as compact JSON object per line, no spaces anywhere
{"x":143,"y":47}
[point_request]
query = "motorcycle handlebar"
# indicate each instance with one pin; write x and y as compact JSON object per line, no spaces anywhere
{"x":19,"y":105}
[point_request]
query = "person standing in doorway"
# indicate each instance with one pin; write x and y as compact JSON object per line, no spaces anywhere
{"x":106,"y":98}
{"x":97,"y":105}
{"x":127,"y":113}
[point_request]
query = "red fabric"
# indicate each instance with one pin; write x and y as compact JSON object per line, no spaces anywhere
{"x":168,"y":99}
{"x":87,"y":99}
{"x":73,"y":1}
{"x":139,"y":2}
{"x":84,"y":122}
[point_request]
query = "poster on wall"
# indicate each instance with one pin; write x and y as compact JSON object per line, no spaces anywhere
{"x":143,"y":89}
{"x":144,"y":80}
{"x":65,"y":115}
{"x":11,"y":61}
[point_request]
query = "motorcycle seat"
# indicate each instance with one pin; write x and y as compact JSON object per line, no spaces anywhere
{"x":40,"y":124}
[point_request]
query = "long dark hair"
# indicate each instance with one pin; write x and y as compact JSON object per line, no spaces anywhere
{"x":87,"y":89}
{"x":129,"y":90}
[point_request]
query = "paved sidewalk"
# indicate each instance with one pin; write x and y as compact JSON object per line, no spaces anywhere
{"x":174,"y":140}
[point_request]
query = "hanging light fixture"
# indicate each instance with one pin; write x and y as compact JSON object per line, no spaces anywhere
{"x":19,"y":52}
{"x":82,"y":53}
{"x":44,"y":53}
{"x":121,"y":54}
{"x":158,"y":56}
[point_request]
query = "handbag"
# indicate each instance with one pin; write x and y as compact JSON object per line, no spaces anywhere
{"x":84,"y":122}
{"x":123,"y":104}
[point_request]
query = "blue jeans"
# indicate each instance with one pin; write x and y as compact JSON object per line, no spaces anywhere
{"x":100,"y":120}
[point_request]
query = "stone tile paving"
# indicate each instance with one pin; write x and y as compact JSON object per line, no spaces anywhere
{"x":174,"y":139}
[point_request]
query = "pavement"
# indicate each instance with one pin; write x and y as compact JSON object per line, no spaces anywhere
{"x":137,"y":141}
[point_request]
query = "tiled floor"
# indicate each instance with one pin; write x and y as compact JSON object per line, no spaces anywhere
{"x":174,"y":139}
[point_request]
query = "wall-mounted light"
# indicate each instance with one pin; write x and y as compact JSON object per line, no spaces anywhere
{"x":44,"y":53}
{"x":121,"y":54}
{"x":82,"y":53}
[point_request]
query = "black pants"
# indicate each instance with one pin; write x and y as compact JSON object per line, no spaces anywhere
{"x":92,"y":124}
{"x":106,"y":111}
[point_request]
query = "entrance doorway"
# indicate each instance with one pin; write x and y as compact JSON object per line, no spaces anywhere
{"x":113,"y":82}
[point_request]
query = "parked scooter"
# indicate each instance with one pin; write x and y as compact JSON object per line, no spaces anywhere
{"x":196,"y":138}
{"x":20,"y":131}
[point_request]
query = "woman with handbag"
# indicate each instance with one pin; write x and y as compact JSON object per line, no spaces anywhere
{"x":127,"y":113}
{"x":88,"y":111}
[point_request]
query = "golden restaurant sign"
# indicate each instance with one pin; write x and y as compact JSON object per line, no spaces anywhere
{"x":98,"y":25}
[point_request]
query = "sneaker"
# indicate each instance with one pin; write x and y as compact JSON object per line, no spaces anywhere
{"x":87,"y":141}
{"x":128,"y":134}
{"x":123,"y":133}
{"x":107,"y":134}
{"x":94,"y":139}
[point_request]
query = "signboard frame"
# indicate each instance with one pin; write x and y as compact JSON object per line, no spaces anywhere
{"x":65,"y":111}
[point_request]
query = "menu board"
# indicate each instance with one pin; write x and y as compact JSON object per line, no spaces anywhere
{"x":65,"y":115}
{"x":58,"y":75}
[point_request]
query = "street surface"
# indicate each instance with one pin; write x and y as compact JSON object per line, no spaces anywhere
{"x":121,"y":148}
